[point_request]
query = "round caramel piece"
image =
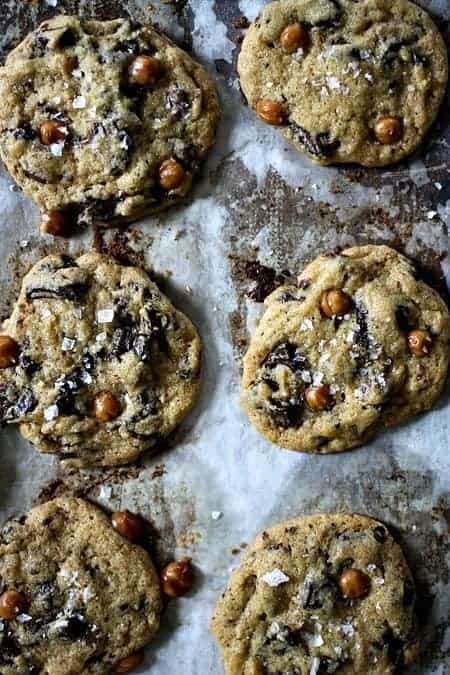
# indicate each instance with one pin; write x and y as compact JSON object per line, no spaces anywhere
{"x":55,"y":223}
{"x":52,"y":131}
{"x":177,"y":578}
{"x":335,"y":303}
{"x":354,"y":584}
{"x":419,"y":343}
{"x":388,"y":130}
{"x":128,"y":525}
{"x":319,"y":398}
{"x":12,"y":603}
{"x":145,"y":71}
{"x":171,"y":174}
{"x":294,"y":37}
{"x":9,"y":351}
{"x":270,"y":111}
{"x":106,"y":407}
{"x":129,"y":663}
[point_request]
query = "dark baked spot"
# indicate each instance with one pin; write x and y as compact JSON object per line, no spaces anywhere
{"x":317,"y":594}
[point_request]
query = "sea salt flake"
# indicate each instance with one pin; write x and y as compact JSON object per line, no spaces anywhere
{"x":51,"y":3}
{"x":347,"y":629}
{"x":68,"y":344}
{"x":79,"y":102}
{"x":105,"y":315}
{"x":438,"y":186}
{"x":333,"y":83}
{"x":379,"y":581}
{"x":431,"y":215}
{"x":57,"y":149}
{"x":216,"y":515}
{"x":315,"y":665}
{"x":275,"y":578}
{"x":24,"y":618}
{"x":51,"y":412}
{"x":306,"y":324}
{"x":101,"y":337}
{"x":77,"y":73}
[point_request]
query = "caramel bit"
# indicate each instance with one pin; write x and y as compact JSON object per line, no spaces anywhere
{"x":295,"y":36}
{"x":9,"y":350}
{"x":270,"y":111}
{"x":106,"y":406}
{"x":319,"y":398}
{"x":52,"y":131}
{"x":171,"y":174}
{"x":388,"y":130}
{"x":177,"y":578}
{"x":129,"y":663}
{"x":55,"y":223}
{"x":419,"y":343}
{"x":335,"y":303}
{"x":128,"y":525}
{"x":145,"y":71}
{"x":12,"y":603}
{"x":354,"y":584}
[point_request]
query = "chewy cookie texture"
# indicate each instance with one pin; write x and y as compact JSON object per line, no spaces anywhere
{"x":317,"y":595}
{"x":75,"y":596}
{"x":103,"y":121}
{"x":96,"y":365}
{"x":357,"y":343}
{"x":346,"y":81}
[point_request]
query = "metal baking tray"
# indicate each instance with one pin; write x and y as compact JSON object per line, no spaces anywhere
{"x":259,"y":212}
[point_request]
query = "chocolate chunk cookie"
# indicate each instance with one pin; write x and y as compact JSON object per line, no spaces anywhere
{"x":322,"y":594}
{"x":103,"y":121}
{"x":346,"y":81}
{"x":75,"y":596}
{"x":96,"y":364}
{"x":358,"y":342}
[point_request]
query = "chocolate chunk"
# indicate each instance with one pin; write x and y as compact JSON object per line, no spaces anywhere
{"x":67,"y":39}
{"x":395,"y":647}
{"x":38,"y":47}
{"x":380,"y":533}
{"x":286,"y":354}
{"x":316,"y":594}
{"x":128,"y":47}
{"x":409,"y":593}
{"x":27,"y":364}
{"x":35,"y":177}
{"x":404,"y":319}
{"x":328,"y":666}
{"x":73,"y":291}
{"x":26,"y":403}
{"x":287,"y":414}
{"x":177,"y":102}
{"x":24,"y":131}
{"x":319,"y":145}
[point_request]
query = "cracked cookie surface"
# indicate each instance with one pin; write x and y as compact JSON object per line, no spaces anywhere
{"x":87,"y":601}
{"x":359,"y":342}
{"x":103,"y":367}
{"x":289,"y":606}
{"x":90,"y":112}
{"x":346,"y":81}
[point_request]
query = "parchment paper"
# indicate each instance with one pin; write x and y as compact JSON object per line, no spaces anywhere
{"x":260,"y":209}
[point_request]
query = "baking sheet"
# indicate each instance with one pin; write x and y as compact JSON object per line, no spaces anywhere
{"x":260,"y":210}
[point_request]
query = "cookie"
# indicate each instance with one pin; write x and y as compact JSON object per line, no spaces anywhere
{"x":346,"y":81}
{"x":321,"y":594}
{"x":71,"y":601}
{"x":358,"y":342}
{"x":104,"y":121}
{"x":96,"y":365}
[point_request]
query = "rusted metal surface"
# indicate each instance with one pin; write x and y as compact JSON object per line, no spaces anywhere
{"x":259,"y":213}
